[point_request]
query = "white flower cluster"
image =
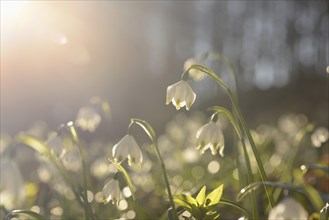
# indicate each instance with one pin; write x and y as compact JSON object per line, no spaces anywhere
{"x":209,"y":136}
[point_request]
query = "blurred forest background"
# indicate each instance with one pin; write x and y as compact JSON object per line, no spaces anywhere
{"x":56,"y":55}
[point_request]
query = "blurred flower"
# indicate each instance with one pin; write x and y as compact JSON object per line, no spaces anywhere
{"x":288,"y":208}
{"x":55,"y":143}
{"x":320,"y":136}
{"x":111,"y":192}
{"x":71,"y":159}
{"x":127,"y":147}
{"x":292,"y":123}
{"x":88,"y":119}
{"x":12,"y":192}
{"x":180,"y":94}
{"x":210,"y":136}
{"x":194,"y":73}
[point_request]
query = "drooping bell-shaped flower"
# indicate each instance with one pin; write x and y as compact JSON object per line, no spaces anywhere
{"x":111,"y":192}
{"x":88,"y":119}
{"x":127,"y":147}
{"x":210,"y":136}
{"x":180,"y":94}
{"x":288,"y":208}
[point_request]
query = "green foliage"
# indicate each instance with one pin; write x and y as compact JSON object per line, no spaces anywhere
{"x":204,"y":206}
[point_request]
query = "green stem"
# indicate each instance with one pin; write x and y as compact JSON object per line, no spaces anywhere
{"x":253,"y":147}
{"x":250,"y":180}
{"x":150,"y":132}
{"x":229,"y":116}
{"x":242,"y":121}
{"x":131,"y":187}
{"x":43,"y":149}
{"x":171,"y":199}
{"x":227,"y":202}
{"x":83,"y":164}
{"x":230,"y":68}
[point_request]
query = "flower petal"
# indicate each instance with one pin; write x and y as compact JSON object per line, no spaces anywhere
{"x":120,"y":151}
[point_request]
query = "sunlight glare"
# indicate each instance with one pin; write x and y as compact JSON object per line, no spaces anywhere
{"x":11,"y":9}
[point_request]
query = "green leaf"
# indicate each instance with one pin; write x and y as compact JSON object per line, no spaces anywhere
{"x":313,"y":196}
{"x":211,"y":215}
{"x":189,"y":203}
{"x":214,"y":197}
{"x":187,"y":199}
{"x":34,"y":143}
{"x":201,"y":196}
{"x":183,"y":204}
{"x":25,"y":213}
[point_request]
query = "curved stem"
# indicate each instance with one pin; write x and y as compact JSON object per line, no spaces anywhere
{"x":227,"y":202}
{"x":171,"y":199}
{"x":24,"y":213}
{"x":131,"y":187}
{"x":229,"y":66}
{"x":228,"y":115}
{"x":253,"y":147}
{"x":150,"y":132}
{"x":242,"y":121}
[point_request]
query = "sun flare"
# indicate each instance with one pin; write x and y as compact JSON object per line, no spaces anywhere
{"x":11,"y":9}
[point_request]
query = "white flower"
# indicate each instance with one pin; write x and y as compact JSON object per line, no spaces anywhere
{"x":194,"y":73}
{"x":210,"y":136}
{"x":320,"y":136}
{"x":88,"y":119}
{"x":127,"y":147}
{"x":71,"y":159}
{"x":12,"y":191}
{"x":180,"y":94}
{"x":111,"y":192}
{"x":55,"y":143}
{"x":288,"y":208}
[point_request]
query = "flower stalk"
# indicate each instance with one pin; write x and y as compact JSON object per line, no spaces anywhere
{"x":242,"y":121}
{"x":150,"y":132}
{"x":83,"y":164}
{"x":229,"y":116}
{"x":131,"y":187}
